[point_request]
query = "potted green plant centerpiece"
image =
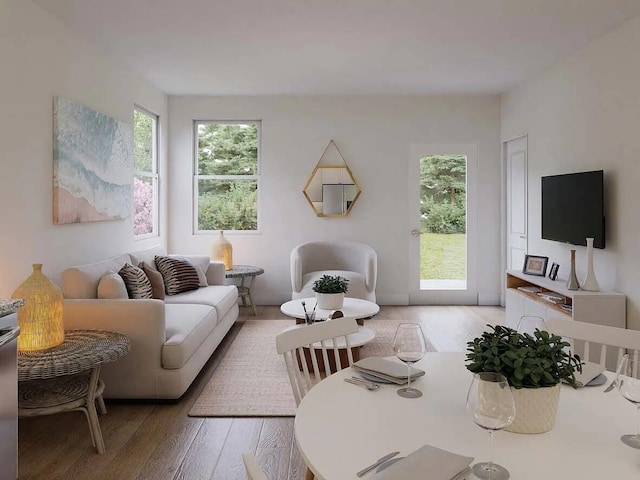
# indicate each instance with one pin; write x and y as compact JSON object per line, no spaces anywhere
{"x":330,"y":290}
{"x":534,"y":365}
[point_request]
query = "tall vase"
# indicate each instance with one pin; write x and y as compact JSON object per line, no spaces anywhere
{"x":590,"y":282}
{"x":222,"y":251}
{"x":572,"y":281}
{"x":40,"y":320}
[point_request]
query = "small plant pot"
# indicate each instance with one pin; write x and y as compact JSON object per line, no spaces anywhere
{"x":330,"y":301}
{"x":536,"y":409}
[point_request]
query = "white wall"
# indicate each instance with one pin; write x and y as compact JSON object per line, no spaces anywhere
{"x":584,"y":114}
{"x":374,"y":135}
{"x":40,"y":59}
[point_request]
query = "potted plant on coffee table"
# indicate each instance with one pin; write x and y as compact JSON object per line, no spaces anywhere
{"x":330,"y":290}
{"x":534,"y":366}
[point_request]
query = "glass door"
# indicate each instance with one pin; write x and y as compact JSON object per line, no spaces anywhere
{"x":443,"y":220}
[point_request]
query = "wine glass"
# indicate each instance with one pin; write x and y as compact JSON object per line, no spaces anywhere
{"x":529,"y":324}
{"x":492,"y":406}
{"x":409,"y":346}
{"x":628,"y":383}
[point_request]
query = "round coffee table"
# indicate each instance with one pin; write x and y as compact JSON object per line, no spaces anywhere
{"x":352,"y":307}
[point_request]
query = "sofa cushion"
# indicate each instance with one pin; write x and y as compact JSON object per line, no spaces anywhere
{"x":112,"y":286}
{"x":82,"y":281}
{"x":155,"y":277}
{"x":186,"y":326}
{"x":136,"y":281}
{"x":147,"y":255}
{"x":179,"y":275}
{"x":221,"y":297}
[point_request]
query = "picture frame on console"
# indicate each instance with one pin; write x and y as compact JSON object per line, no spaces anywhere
{"x":553,"y":271}
{"x":535,"y":265}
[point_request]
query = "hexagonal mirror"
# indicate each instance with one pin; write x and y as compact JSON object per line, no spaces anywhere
{"x":331,"y":189}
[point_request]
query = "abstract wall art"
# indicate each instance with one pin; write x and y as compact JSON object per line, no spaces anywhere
{"x":93,"y":165}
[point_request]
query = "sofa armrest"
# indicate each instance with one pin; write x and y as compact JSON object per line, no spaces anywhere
{"x":216,"y":273}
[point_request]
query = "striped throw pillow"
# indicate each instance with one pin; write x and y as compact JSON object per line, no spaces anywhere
{"x":178,"y":275}
{"x":137,"y":283}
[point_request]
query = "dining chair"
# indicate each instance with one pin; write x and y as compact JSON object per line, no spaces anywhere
{"x":254,"y":472}
{"x":291,"y":344}
{"x":590,"y":335}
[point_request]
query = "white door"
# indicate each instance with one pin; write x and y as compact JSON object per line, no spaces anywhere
{"x":516,"y":214}
{"x":443,"y":224}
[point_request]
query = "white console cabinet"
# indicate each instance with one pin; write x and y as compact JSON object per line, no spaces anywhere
{"x":603,"y":308}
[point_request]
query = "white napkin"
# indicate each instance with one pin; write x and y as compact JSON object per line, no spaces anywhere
{"x":590,"y":371}
{"x":427,"y":461}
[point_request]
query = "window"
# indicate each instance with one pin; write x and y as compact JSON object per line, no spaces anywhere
{"x":145,"y":181}
{"x":227,"y":175}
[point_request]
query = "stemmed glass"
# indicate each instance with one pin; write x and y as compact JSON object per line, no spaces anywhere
{"x":492,"y":406}
{"x":628,"y":383}
{"x":409,"y":346}
{"x":529,"y":324}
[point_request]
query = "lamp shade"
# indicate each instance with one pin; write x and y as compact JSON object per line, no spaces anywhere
{"x":222,"y":251}
{"x":40,"y":319}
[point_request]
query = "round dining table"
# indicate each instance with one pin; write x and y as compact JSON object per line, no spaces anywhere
{"x":340,"y":428}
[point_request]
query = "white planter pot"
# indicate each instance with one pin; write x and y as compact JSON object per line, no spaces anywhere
{"x":330,"y":301}
{"x":536,"y":409}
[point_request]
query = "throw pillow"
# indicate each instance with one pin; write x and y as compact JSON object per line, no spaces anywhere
{"x":179,"y":275}
{"x":111,"y":286}
{"x":137,"y":283}
{"x":155,"y":277}
{"x":201,"y":263}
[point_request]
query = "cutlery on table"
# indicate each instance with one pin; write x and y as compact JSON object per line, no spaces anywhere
{"x":363,"y":383}
{"x":376,"y":464}
{"x":610,"y":387}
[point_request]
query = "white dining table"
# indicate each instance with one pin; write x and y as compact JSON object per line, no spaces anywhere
{"x":340,"y":428}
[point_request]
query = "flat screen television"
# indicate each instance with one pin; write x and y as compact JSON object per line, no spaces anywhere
{"x":573,"y":208}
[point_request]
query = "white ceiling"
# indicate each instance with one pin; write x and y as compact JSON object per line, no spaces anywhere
{"x":264,"y":47}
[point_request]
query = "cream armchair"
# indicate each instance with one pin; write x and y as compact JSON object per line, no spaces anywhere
{"x":355,"y":261}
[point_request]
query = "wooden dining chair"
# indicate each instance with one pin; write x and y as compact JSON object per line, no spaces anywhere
{"x":291,"y":344}
{"x":613,"y":342}
{"x":254,"y":472}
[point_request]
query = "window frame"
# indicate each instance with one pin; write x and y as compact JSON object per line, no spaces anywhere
{"x":153,"y":174}
{"x":197,"y":177}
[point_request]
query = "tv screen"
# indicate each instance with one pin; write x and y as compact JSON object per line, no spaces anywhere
{"x":573,"y":208}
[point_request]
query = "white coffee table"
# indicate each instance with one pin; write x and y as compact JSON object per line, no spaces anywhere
{"x":352,"y":307}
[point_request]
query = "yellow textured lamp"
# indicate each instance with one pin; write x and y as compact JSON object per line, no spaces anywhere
{"x":222,"y":251}
{"x":40,"y":319}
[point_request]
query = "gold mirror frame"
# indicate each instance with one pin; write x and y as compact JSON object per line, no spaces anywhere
{"x":331,"y":190}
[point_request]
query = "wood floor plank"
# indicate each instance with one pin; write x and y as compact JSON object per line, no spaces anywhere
{"x":157,"y":440}
{"x":202,"y":457}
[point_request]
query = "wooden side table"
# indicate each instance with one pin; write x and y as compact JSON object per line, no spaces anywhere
{"x":67,"y":377}
{"x":244,"y":291}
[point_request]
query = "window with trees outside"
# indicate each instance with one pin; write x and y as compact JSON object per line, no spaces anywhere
{"x":227,"y":175}
{"x":145,"y":181}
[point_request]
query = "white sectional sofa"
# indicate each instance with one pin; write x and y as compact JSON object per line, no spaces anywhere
{"x":171,"y":340}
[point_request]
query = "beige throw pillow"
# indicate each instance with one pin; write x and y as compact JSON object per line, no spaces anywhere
{"x":111,"y":286}
{"x":155,"y":277}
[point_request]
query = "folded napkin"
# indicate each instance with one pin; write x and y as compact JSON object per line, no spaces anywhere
{"x":590,"y":371}
{"x":427,"y":462}
{"x":386,"y":369}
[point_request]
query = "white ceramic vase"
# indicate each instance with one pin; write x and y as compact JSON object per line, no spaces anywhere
{"x":536,"y":409}
{"x":590,"y":283}
{"x":330,"y":301}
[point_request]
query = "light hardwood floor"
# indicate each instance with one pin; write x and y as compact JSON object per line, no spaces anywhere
{"x":158,"y":441}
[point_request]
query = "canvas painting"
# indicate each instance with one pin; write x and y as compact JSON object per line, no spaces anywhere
{"x":93,"y":165}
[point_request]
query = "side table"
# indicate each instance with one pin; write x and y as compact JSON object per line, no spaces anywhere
{"x":244,"y":291}
{"x":67,"y":377}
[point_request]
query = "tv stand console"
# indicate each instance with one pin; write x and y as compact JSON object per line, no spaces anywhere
{"x":546,"y":298}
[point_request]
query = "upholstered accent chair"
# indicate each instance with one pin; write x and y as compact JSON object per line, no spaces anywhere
{"x":355,"y":261}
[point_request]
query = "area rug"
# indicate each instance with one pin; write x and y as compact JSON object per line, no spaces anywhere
{"x":251,"y":380}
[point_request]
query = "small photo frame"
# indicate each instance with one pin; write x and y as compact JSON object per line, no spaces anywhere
{"x":535,"y":265}
{"x":553,"y":271}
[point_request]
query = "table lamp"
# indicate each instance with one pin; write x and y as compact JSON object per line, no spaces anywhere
{"x":40,"y":319}
{"x":222,"y":251}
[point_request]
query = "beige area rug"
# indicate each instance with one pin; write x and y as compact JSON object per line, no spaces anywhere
{"x":252,"y":381}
